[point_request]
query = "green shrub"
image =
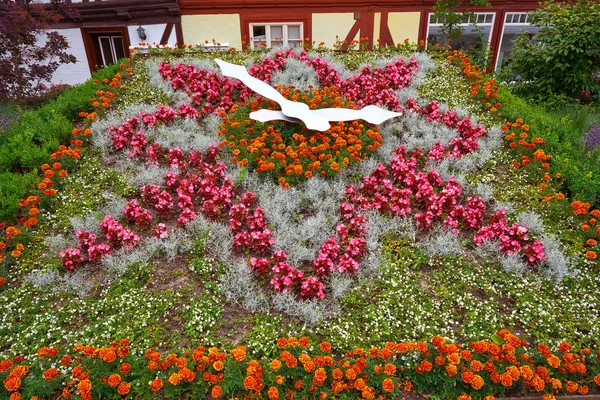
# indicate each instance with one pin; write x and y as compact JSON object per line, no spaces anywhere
{"x":12,"y":188}
{"x":561,"y":60}
{"x":564,"y":143}
{"x":29,"y":142}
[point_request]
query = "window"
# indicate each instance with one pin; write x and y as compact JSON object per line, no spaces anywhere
{"x":111,"y":49}
{"x":514,"y":24}
{"x":105,"y":45}
{"x":284,"y":34}
{"x":472,"y":36}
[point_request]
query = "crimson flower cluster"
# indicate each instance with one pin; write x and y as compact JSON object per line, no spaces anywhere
{"x":405,"y":188}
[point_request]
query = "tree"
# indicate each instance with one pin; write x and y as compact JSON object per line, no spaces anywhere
{"x":562,"y":60}
{"x":446,"y":11}
{"x":25,"y":63}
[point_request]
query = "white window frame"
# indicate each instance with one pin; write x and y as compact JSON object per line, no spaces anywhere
{"x":515,"y":20}
{"x":431,"y":23}
{"x":112,"y":46}
{"x":285,"y":41}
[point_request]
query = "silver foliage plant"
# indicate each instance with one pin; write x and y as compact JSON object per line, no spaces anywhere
{"x":186,"y":134}
{"x":57,"y":243}
{"x":52,"y":280}
{"x":238,"y":285}
{"x":296,"y":73}
{"x":557,"y":265}
{"x":441,"y":242}
{"x":157,"y":81}
{"x":114,"y":205}
{"x":512,"y":264}
{"x":483,"y":190}
{"x":532,"y":221}
{"x":309,"y":311}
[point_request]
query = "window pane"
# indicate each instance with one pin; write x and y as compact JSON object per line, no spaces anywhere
{"x":523,"y":18}
{"x":259,"y":32}
{"x":294,"y":32}
{"x":119,"y":48}
{"x":508,"y":19}
{"x":276,"y":32}
{"x":489,"y":18}
{"x":106,"y":50}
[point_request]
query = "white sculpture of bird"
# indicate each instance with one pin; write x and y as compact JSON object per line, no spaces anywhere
{"x":292,"y":111}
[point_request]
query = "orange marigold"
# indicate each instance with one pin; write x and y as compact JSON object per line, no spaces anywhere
{"x":50,"y":374}
{"x":239,"y":353}
{"x":553,"y":361}
{"x":250,"y":383}
{"x":389,"y":369}
{"x":388,"y":385}
{"x":591,"y":255}
{"x":20,"y":370}
{"x":218,"y":365}
{"x":451,"y":370}
{"x":506,"y":379}
{"x":273,"y":393}
{"x":477,"y":382}
{"x":123,"y":388}
{"x":12,"y":383}
{"x":476,"y":365}
{"x":156,"y":384}
{"x":467,"y":376}
{"x":216,"y":391}
{"x":5,"y":365}
{"x":572,"y":386}
{"x":84,"y":385}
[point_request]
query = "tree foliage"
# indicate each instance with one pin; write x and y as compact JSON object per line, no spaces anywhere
{"x":562,"y":60}
{"x":447,"y":12}
{"x":25,"y":62}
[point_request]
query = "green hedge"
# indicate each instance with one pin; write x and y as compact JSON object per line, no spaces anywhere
{"x":563,"y":142}
{"x":29,"y":142}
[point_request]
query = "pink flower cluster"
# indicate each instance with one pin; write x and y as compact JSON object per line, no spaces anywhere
{"x":88,"y":242}
{"x":129,"y":137}
{"x":211,"y":92}
{"x":199,"y":183}
{"x":117,"y":235}
{"x":341,"y":253}
{"x":405,"y":189}
{"x":513,"y":238}
{"x":250,"y":227}
{"x":135,"y":213}
{"x":371,"y":85}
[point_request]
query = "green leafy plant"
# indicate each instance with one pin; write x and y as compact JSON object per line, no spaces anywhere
{"x":560,"y":62}
{"x":447,"y":11}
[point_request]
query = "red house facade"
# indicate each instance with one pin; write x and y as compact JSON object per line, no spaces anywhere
{"x":105,"y":29}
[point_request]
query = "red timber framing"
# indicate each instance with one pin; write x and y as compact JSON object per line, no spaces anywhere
{"x":252,"y":11}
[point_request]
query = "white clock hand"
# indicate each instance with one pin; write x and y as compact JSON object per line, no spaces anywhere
{"x":289,"y":108}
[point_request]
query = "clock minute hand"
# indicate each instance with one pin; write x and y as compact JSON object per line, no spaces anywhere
{"x":289,"y":108}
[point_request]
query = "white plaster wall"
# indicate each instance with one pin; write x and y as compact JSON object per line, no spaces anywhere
{"x":376,"y":28}
{"x":223,"y":28}
{"x":404,"y":25}
{"x":153,"y":34}
{"x":325,"y":26}
{"x":71,"y":74}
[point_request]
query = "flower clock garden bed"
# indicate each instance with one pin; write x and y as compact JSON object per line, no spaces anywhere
{"x":198,"y":253}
